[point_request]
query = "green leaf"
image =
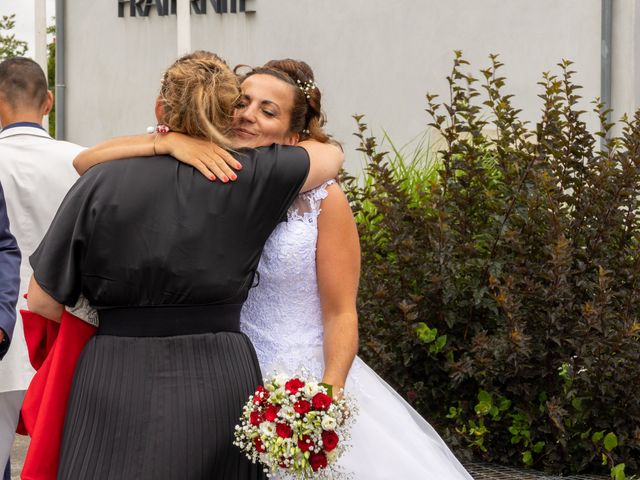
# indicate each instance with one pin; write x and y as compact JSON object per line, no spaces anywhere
{"x":610,"y":441}
{"x":617,"y":472}
{"x":504,"y":404}
{"x":440,"y":343}
{"x":537,"y":448}
{"x":426,"y":334}
{"x":453,"y":412}
{"x":485,"y":404}
{"x":328,"y":387}
{"x":484,"y":396}
{"x":494,"y":412}
{"x":482,"y":408}
{"x":527,"y":458}
{"x":597,"y":436}
{"x":577,"y":404}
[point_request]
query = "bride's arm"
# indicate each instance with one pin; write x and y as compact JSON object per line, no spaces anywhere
{"x":208,"y":158}
{"x":325,"y":162}
{"x":338,"y":270}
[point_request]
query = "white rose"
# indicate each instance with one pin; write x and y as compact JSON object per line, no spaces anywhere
{"x":287,"y":413}
{"x":310,"y":389}
{"x":328,"y":423}
{"x":268,"y":429}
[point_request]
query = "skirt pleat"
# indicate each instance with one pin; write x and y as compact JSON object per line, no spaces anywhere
{"x":159,"y":408}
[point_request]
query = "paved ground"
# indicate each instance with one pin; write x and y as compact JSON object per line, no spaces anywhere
{"x":17,"y":455}
{"x":483,"y":471}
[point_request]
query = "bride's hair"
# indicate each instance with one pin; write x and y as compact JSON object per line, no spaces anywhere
{"x":198,"y":95}
{"x":307,"y":117}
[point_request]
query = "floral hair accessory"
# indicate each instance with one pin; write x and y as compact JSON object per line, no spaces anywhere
{"x":307,"y":87}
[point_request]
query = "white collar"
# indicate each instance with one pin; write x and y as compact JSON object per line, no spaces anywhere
{"x":31,"y":131}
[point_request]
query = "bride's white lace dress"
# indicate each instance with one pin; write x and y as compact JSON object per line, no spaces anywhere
{"x":283,"y":318}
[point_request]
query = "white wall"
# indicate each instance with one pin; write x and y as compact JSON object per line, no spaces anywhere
{"x":370,"y":56}
{"x":626,"y":64}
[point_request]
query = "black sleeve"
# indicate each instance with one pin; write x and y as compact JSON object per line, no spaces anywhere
{"x":9,"y":277}
{"x":58,"y":261}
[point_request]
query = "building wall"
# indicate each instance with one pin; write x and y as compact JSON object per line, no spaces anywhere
{"x":626,"y":64}
{"x":371,"y":57}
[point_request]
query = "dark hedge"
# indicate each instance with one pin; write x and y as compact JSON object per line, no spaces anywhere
{"x":501,"y":295}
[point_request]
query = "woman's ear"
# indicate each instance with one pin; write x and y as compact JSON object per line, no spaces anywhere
{"x":291,"y":139}
{"x":159,"y":110}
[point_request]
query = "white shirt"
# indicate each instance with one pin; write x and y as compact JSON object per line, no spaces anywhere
{"x":36,"y":172}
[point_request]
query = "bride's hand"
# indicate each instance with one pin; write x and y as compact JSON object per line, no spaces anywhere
{"x":208,"y":158}
{"x":337,"y":393}
{"x":344,"y":407}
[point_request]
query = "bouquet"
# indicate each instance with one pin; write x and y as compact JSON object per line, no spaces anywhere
{"x":295,"y":427}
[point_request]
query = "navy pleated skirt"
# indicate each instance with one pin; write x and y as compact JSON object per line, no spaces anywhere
{"x":159,"y":408}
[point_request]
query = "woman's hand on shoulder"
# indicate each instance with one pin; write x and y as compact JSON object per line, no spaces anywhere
{"x":211,"y":160}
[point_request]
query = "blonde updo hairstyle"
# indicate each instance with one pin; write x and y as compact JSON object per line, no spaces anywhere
{"x":307,"y":117}
{"x":198,"y":95}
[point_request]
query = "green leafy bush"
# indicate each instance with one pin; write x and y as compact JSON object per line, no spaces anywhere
{"x":500,"y":293}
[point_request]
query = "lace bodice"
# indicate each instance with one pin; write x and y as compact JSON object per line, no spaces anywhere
{"x":282,"y":315}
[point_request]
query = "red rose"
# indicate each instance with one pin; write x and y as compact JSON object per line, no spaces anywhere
{"x":302,"y":407}
{"x":283,"y":430}
{"x":259,"y":445}
{"x":329,"y":440}
{"x":303,"y":444}
{"x":260,"y":396}
{"x":293,"y":385}
{"x":321,"y":401}
{"x":271,"y":413}
{"x":255,"y":418}
{"x":318,"y":461}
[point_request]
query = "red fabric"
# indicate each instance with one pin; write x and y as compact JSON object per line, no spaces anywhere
{"x":40,"y":334}
{"x":54,"y":350}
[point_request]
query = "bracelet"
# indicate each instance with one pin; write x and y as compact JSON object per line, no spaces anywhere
{"x":159,"y":129}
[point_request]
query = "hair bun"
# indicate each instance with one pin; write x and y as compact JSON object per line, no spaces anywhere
{"x":198,"y":94}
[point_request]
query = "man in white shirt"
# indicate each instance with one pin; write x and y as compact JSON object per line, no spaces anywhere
{"x":36,"y":172}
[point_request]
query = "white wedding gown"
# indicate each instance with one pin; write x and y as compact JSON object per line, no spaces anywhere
{"x":283,"y":318}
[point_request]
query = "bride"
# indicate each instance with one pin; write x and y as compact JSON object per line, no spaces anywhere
{"x":302,"y":313}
